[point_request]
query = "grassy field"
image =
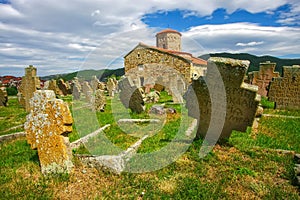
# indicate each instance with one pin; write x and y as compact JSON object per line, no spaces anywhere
{"x":248,"y":166}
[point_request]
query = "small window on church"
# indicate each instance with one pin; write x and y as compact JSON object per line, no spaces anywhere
{"x":138,"y":55}
{"x":140,"y":67}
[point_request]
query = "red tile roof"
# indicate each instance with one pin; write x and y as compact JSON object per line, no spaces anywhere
{"x":168,"y":30}
{"x":190,"y":57}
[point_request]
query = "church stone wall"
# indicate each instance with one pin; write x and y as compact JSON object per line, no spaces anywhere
{"x":136,"y":61}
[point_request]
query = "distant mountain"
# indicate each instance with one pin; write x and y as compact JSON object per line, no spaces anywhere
{"x":255,"y":60}
{"x":87,"y":74}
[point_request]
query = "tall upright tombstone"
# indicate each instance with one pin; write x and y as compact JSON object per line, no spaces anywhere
{"x":240,"y":99}
{"x":285,"y":91}
{"x":30,"y":83}
{"x":111,"y":87}
{"x":263,"y":77}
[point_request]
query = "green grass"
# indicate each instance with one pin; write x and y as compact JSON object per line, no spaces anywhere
{"x":11,"y":116}
{"x":247,"y":167}
{"x":266,"y":104}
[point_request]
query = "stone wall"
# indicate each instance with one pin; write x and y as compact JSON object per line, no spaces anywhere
{"x":139,"y":58}
{"x":285,"y":91}
{"x":169,"y":40}
{"x":263,"y":77}
{"x":240,"y":100}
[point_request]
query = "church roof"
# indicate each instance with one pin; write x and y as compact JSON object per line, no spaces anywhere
{"x":168,"y":30}
{"x":184,"y":55}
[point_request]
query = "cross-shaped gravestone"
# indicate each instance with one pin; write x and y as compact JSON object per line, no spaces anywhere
{"x":30,"y":83}
{"x":285,"y":91}
{"x":46,"y":125}
{"x":224,"y":80}
{"x":263,"y":77}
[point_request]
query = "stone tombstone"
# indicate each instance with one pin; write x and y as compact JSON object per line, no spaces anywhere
{"x":30,"y":83}
{"x":46,"y":125}
{"x":53,"y":86}
{"x":95,"y":83}
{"x":64,"y":88}
{"x":102,"y":86}
{"x":3,"y":96}
{"x":131,"y":96}
{"x":99,"y":101}
{"x":76,"y":88}
{"x":76,"y":92}
{"x":87,"y":91}
{"x":173,"y":89}
{"x":241,"y":98}
{"x":285,"y":91}
{"x":159,"y":84}
{"x":111,"y":87}
{"x":116,"y":84}
{"x":263,"y":77}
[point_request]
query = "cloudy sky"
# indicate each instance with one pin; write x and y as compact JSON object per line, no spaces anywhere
{"x":69,"y":35}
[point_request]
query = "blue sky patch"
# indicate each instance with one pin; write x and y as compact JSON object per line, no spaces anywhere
{"x":178,"y":19}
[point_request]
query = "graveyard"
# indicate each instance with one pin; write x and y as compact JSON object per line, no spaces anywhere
{"x":91,"y":139}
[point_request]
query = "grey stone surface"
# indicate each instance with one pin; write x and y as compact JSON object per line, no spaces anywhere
{"x":131,"y":96}
{"x":240,"y":103}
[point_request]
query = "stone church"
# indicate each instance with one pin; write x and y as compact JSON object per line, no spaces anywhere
{"x":164,"y":63}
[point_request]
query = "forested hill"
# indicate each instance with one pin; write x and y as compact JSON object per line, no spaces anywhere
{"x":255,"y":60}
{"x":87,"y":74}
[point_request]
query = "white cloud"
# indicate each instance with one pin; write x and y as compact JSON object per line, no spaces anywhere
{"x":235,"y":38}
{"x":59,"y":34}
{"x":241,"y":44}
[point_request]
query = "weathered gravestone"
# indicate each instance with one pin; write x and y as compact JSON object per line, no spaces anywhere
{"x":87,"y":91}
{"x":111,"y":87}
{"x":263,"y":77}
{"x":64,"y":88}
{"x":30,"y":83}
{"x":240,"y":98}
{"x":285,"y":91}
{"x":46,"y":125}
{"x":131,"y":96}
{"x":99,"y":100}
{"x":76,"y":88}
{"x":95,"y":83}
{"x":53,"y":86}
{"x":3,"y":96}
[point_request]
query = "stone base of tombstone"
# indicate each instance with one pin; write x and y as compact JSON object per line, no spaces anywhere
{"x":47,"y":122}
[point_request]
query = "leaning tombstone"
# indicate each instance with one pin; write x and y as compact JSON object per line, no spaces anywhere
{"x":63,"y":87}
{"x":241,"y":99}
{"x":46,"y":126}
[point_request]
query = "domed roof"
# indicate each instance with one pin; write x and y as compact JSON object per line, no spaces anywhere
{"x":168,"y":30}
